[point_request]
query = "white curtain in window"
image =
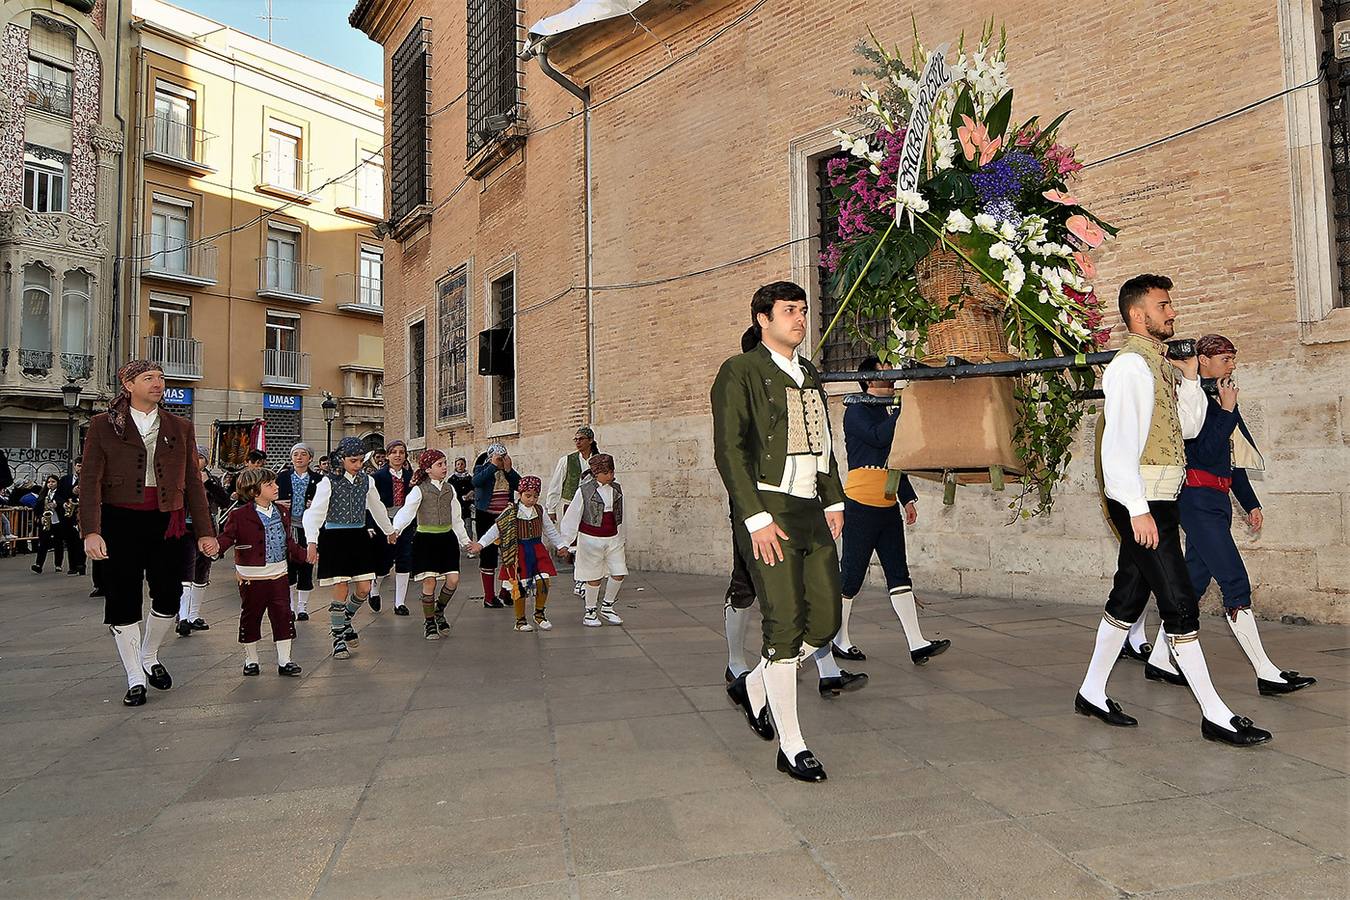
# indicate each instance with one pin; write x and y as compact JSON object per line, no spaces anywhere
{"x":169,"y":236}
{"x":36,"y":329}
{"x":281,"y":259}
{"x":75,"y":312}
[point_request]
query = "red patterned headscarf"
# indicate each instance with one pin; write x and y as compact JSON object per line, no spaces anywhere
{"x":601,"y":463}
{"x":531,"y":484}
{"x":117,"y":411}
{"x":425,"y":461}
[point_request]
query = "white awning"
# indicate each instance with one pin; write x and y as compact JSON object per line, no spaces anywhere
{"x":584,"y":12}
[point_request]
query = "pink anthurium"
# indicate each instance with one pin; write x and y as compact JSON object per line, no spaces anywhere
{"x":1086,"y":231}
{"x":1060,"y":197}
{"x":975,"y":143}
{"x":1085,"y":265}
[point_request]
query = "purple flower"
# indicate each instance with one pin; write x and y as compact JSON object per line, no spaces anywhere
{"x":1007,"y":177}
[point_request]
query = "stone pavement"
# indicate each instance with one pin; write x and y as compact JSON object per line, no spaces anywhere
{"x":607,"y":762}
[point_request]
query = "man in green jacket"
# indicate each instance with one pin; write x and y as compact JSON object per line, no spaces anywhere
{"x":773,"y":449}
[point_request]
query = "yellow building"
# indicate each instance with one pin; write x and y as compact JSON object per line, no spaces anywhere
{"x":257,"y":182}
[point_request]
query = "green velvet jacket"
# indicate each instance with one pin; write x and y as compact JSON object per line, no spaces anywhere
{"x":750,"y":427}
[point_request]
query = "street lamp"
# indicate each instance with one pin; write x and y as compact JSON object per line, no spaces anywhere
{"x":329,"y":414}
{"x":70,"y":399}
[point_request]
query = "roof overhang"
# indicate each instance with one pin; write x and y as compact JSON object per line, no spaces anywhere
{"x":578,"y":15}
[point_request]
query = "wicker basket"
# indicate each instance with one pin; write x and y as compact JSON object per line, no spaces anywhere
{"x":976,"y":332}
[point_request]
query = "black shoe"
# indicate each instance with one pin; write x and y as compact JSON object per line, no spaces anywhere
{"x":844,"y":681}
{"x":374,"y":602}
{"x":290,"y":670}
{"x":38,"y":569}
{"x":351,"y":637}
{"x":494,"y":603}
{"x":76,"y":572}
{"x":302,"y":616}
{"x":432,"y":632}
{"x":401,"y":611}
{"x":444,"y":626}
{"x":729,"y":675}
{"x":1292,"y":682}
{"x":96,"y":592}
{"x":199,"y":625}
{"x":1142,"y":654}
{"x":1112,"y":715}
{"x":804,"y":768}
{"x":923,"y":654}
{"x":251,"y":669}
{"x":1153,"y":673}
{"x":135,"y":696}
{"x":158,"y":676}
{"x":504,"y":597}
{"x":1243,"y":733}
{"x":183,"y":628}
{"x":759,"y":724}
{"x":852,"y":653}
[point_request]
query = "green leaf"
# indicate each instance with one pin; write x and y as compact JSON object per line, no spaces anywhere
{"x":999,"y":114}
{"x":1048,"y":135}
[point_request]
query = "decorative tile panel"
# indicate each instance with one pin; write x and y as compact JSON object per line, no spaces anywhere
{"x":13,"y":109}
{"x":84,"y":116}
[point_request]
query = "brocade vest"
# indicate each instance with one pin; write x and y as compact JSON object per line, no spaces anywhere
{"x":347,"y":505}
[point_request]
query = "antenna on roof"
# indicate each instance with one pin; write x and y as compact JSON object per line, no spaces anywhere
{"x":269,"y":19}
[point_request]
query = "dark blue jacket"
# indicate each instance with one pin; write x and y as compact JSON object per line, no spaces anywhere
{"x":484,"y":478}
{"x":1212,"y":451}
{"x":868,"y":431}
{"x":384,"y":483}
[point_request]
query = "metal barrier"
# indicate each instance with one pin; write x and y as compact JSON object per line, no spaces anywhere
{"x":22,"y":521}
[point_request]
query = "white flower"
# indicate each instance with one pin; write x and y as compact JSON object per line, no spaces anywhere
{"x":910,"y":200}
{"x":986,"y":223}
{"x":1006,"y":230}
{"x":1000,"y":251}
{"x":957,"y":223}
{"x":1014,"y":273}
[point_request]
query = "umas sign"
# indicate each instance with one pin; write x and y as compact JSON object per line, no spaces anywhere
{"x":177,"y":396}
{"x":282,"y":401}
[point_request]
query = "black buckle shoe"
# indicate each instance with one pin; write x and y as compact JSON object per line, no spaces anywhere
{"x":923,"y":654}
{"x":302,"y":616}
{"x":444,"y":626}
{"x":290,"y":670}
{"x":38,"y":569}
{"x":1141,"y":655}
{"x":494,"y":603}
{"x":1112,"y":715}
{"x":96,"y":592}
{"x":852,"y":653}
{"x":401,"y":611}
{"x":1292,"y":682}
{"x":844,"y":681}
{"x":251,"y":669}
{"x":804,"y":768}
{"x":200,"y":625}
{"x":158,"y":676}
{"x":760,"y":723}
{"x":135,"y":696}
{"x":183,"y":628}
{"x":1153,"y":673}
{"x":432,"y":632}
{"x":374,"y":602}
{"x":1242,"y":734}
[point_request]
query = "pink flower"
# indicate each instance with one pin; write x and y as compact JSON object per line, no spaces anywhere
{"x":1086,"y":231}
{"x":1060,"y":197}
{"x":1085,"y":265}
{"x":975,"y":142}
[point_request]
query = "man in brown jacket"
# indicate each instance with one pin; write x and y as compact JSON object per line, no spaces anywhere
{"x":140,"y":468}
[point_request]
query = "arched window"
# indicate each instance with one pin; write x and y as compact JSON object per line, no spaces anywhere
{"x":75,"y":312}
{"x":36,"y":327}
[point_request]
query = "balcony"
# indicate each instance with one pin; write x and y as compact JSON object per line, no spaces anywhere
{"x":77,"y":365}
{"x":181,"y":358}
{"x":282,"y":176}
{"x":169,"y":258}
{"x":359,"y":201}
{"x":360,"y":294}
{"x":35,"y":363}
{"x":49,"y":96}
{"x":178,"y":144}
{"x":285,"y":368}
{"x":284,"y":279}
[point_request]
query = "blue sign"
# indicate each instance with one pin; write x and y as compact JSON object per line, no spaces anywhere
{"x":282,"y":401}
{"x":178,"y":396}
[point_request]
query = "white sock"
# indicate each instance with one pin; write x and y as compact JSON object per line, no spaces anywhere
{"x":302,"y":598}
{"x":1138,"y":637}
{"x":1110,"y":638}
{"x":294,"y":608}
{"x":1244,"y":629}
{"x":185,"y":603}
{"x":283,"y":652}
{"x":592,"y":595}
{"x":1161,"y":657}
{"x":824,"y":658}
{"x":401,"y":588}
{"x":612,"y":589}
{"x":198,"y":591}
{"x":738,"y":620}
{"x":902,"y":601}
{"x":128,"y":638}
{"x":1191,"y":660}
{"x":157,"y":628}
{"x":251,"y":653}
{"x":780,"y":685}
{"x":754,"y":687}
{"x":841,"y":638}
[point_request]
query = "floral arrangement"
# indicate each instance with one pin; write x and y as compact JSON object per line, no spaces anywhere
{"x":997,"y":194}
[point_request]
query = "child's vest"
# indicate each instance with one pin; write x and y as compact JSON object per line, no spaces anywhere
{"x":347,"y":505}
{"x":274,"y":535}
{"x":434,"y":513}
{"x":594,"y":520}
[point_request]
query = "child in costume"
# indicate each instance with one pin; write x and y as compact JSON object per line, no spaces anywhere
{"x":520,"y":530}
{"x":197,"y":565}
{"x":595,"y":521}
{"x":260,"y":532}
{"x":439,"y":534}
{"x":335,"y":524}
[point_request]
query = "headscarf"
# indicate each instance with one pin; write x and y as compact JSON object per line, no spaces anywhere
{"x":392,"y":444}
{"x":586,"y":431}
{"x":1214,"y":345}
{"x":531,"y":484}
{"x":425,"y":460}
{"x":601,"y":463}
{"x":117,"y":410}
{"x":495,"y":449}
{"x":349,"y":446}
{"x":302,"y":446}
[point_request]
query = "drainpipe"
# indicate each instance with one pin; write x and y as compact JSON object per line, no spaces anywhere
{"x":584,"y":95}
{"x":114,"y":356}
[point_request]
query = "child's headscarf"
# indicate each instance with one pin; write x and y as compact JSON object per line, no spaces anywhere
{"x":425,"y":460}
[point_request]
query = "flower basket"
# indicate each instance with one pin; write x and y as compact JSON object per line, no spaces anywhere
{"x":976,"y":333}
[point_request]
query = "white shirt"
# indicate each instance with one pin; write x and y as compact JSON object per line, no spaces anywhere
{"x":271,"y":570}
{"x":317,"y":513}
{"x":1128,"y":386}
{"x":571,"y":520}
{"x":553,"y":498}
{"x":412,"y":502}
{"x":799,"y":477}
{"x":147,"y":423}
{"x":528,"y":513}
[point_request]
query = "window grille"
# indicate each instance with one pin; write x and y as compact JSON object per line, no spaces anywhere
{"x":494,"y":69}
{"x":409,"y":153}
